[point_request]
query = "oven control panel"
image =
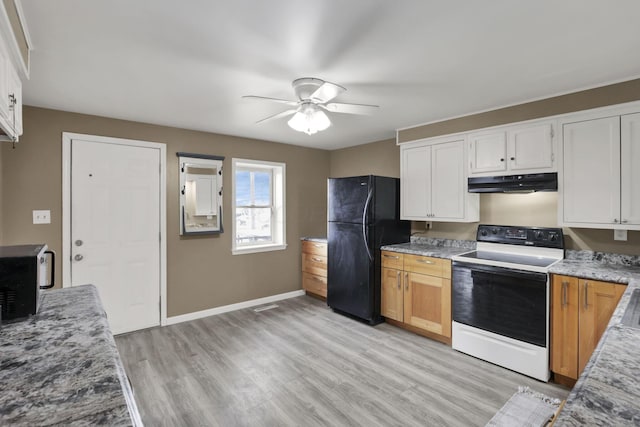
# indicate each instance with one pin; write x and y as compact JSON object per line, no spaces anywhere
{"x":526,"y":236}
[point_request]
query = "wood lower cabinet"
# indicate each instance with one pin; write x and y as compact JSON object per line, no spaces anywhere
{"x":314,"y":267}
{"x":416,"y":291}
{"x":580,"y":312}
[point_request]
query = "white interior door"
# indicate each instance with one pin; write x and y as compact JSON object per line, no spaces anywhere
{"x":115,"y":229}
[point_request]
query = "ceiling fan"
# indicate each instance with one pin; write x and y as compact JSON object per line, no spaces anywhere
{"x":314,"y":96}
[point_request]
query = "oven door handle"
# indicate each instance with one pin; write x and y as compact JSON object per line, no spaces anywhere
{"x":503,"y":271}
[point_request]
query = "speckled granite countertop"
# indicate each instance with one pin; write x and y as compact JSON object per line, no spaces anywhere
{"x":608,"y":391}
{"x":315,"y":239}
{"x":62,"y":367}
{"x":437,"y":248}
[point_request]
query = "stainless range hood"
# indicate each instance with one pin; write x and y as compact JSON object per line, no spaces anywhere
{"x":514,"y":183}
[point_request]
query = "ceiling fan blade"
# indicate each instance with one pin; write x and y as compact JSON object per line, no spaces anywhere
{"x":326,"y":92}
{"x":337,"y":107}
{"x":277,"y":116}
{"x":264,"y":98}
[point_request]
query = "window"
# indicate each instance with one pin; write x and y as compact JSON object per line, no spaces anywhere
{"x":258,"y":206}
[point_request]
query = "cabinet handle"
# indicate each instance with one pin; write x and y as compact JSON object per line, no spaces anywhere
{"x":513,"y":158}
{"x":391,"y":256}
{"x":564,"y":293}
{"x":586,"y":295}
{"x":502,"y":159}
{"x":623,"y":221}
{"x":318,"y":245}
{"x":406,"y":281}
{"x":615,"y":220}
{"x":399,"y":281}
{"x":424,"y":261}
{"x":316,"y":259}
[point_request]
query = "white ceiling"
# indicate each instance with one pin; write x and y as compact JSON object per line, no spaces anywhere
{"x":187,"y":63}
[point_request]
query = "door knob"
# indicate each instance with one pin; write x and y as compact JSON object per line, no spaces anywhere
{"x":78,"y":257}
{"x":79,"y":242}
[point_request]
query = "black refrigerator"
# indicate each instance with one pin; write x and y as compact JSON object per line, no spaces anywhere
{"x":363,"y":214}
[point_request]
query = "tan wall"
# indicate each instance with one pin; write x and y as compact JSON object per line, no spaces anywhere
{"x":201,"y":272}
{"x":583,"y":100}
{"x":377,"y":158}
{"x":536,"y":209}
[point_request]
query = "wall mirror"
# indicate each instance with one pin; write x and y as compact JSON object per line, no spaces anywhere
{"x":200,"y":194}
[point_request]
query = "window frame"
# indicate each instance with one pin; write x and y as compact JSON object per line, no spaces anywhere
{"x":277,"y":206}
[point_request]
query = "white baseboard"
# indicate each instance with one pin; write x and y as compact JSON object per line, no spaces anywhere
{"x":231,"y":307}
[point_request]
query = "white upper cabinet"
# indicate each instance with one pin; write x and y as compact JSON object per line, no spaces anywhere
{"x":15,"y":100}
{"x":531,"y":148}
{"x":4,"y":85}
{"x":527,"y":148}
{"x":600,"y":178}
{"x":433,"y":183}
{"x":415,"y":181}
{"x":487,"y":152}
{"x":630,"y":170}
{"x":14,"y":65}
{"x":590,"y":184}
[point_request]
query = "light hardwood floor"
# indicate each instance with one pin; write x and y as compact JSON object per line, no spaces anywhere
{"x":302,"y":365}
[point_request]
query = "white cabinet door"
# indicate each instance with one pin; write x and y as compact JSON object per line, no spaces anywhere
{"x":630,"y":169}
{"x":448,"y":180}
{"x":530,"y":147}
{"x":4,"y":85}
{"x":487,"y":152}
{"x":415,"y":182}
{"x":591,"y":173}
{"x":15,"y":91}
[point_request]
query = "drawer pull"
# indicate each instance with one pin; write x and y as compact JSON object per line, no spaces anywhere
{"x":586,"y":295}
{"x":424,"y":261}
{"x":316,"y":259}
{"x":391,"y":256}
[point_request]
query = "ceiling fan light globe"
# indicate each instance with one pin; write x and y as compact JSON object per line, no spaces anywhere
{"x":309,"y":121}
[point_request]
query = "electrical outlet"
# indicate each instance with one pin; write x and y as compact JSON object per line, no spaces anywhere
{"x":620,"y":235}
{"x":428,"y":225}
{"x":42,"y":217}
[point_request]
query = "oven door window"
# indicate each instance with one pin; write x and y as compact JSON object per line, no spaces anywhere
{"x":504,"y":301}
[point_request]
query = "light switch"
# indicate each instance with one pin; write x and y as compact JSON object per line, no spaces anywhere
{"x":620,"y":235}
{"x":42,"y":217}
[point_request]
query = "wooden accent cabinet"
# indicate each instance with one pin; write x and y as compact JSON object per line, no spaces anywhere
{"x":580,"y":312}
{"x":416,"y":290}
{"x":314,"y":268}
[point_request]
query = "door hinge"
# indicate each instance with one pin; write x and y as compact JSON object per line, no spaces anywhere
{"x":160,"y":236}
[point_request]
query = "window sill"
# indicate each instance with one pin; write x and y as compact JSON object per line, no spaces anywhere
{"x":255,"y":249}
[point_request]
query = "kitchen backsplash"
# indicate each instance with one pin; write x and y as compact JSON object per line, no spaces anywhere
{"x":449,"y":243}
{"x":603,"y":257}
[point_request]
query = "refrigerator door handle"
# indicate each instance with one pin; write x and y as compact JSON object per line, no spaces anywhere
{"x":364,"y":223}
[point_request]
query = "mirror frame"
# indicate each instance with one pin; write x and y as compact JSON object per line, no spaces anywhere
{"x":203,"y":160}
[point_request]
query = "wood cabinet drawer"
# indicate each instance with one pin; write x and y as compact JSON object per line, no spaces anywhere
{"x":427,"y":265}
{"x":314,"y":248}
{"x":392,"y":260}
{"x":314,"y":284}
{"x":314,"y":264}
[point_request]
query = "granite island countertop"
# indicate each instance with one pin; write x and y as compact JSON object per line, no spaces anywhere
{"x":608,"y":391}
{"x":61,"y":366}
{"x":437,"y":248}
